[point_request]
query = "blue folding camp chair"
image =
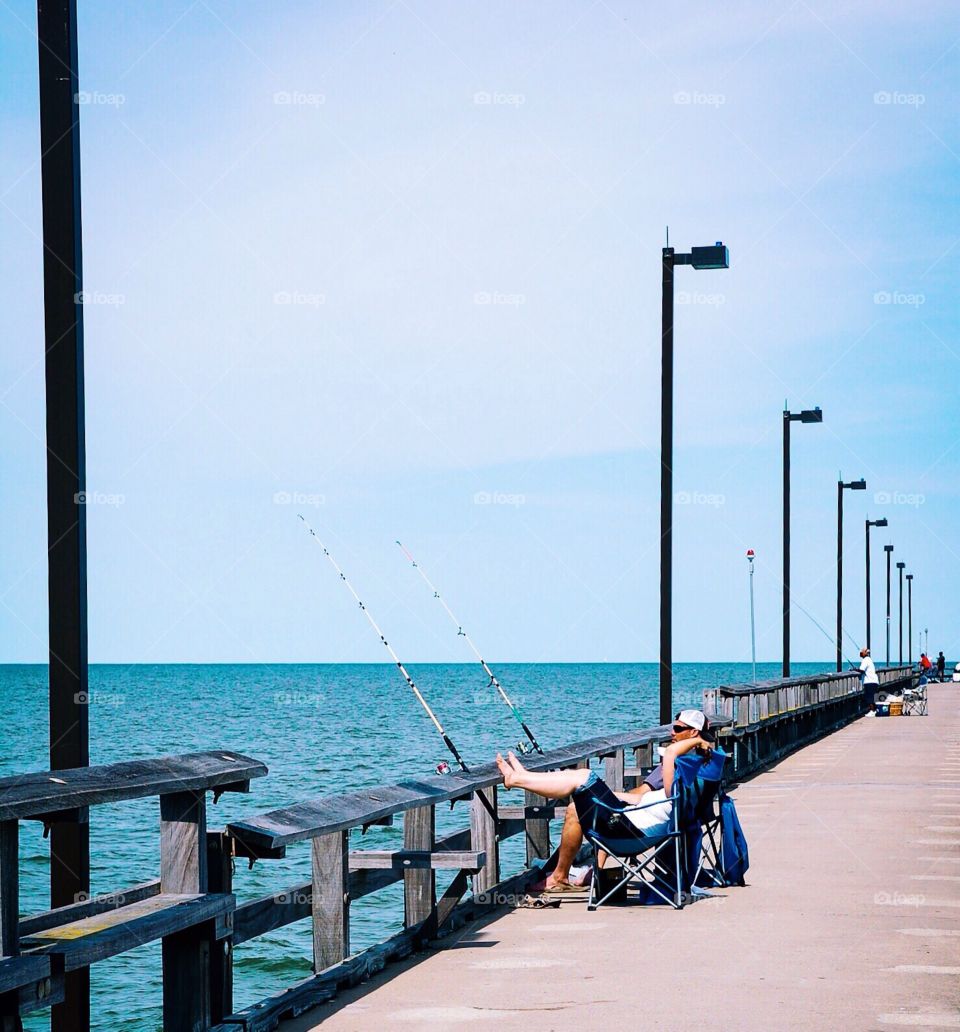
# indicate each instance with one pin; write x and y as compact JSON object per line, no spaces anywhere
{"x":657,"y":859}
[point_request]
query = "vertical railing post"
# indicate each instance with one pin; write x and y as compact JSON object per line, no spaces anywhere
{"x":186,"y":954}
{"x":613,"y":770}
{"x":331,"y":899}
{"x":420,"y":886}
{"x":220,"y":879}
{"x":536,"y":829}
{"x":483,"y":836}
{"x":9,"y":916}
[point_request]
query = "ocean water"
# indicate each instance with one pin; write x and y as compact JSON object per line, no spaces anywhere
{"x":320,"y":729}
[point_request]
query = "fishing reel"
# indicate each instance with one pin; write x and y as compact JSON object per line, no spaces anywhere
{"x":522,"y":748}
{"x":442,"y":767}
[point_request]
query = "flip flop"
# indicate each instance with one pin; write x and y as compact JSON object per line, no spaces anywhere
{"x":563,"y":888}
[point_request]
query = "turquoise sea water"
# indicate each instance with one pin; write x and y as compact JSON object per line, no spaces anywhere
{"x":321,"y":729}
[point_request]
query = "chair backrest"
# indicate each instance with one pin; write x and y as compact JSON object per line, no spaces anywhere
{"x":697,"y":784}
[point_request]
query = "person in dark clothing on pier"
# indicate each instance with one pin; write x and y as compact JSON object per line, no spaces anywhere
{"x":941,"y":666}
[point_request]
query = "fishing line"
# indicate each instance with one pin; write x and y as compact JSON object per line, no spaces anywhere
{"x":403,"y":670}
{"x":825,"y":631}
{"x":494,"y":682}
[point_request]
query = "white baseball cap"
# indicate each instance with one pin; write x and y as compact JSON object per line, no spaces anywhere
{"x":692,"y":718}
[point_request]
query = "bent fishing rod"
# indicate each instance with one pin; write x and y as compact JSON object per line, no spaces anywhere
{"x":403,"y":670}
{"x":494,"y":682}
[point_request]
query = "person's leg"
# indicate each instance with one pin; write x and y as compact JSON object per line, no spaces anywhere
{"x":553,"y":784}
{"x":571,"y":838}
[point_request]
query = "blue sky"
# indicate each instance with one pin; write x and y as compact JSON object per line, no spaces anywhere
{"x":396,"y":265}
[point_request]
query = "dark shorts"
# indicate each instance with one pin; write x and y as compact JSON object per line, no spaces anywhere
{"x":870,"y":693}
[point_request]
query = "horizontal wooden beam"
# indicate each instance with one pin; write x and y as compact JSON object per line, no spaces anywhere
{"x":88,"y":908}
{"x":415,"y":860}
{"x":92,"y":939}
{"x":50,"y":792}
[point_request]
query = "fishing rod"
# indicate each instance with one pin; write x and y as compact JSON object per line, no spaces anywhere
{"x":826,"y":632}
{"x":403,"y":670}
{"x":494,"y":682}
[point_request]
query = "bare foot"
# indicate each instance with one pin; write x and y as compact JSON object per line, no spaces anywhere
{"x":508,"y":773}
{"x":515,"y":763}
{"x":554,"y":879}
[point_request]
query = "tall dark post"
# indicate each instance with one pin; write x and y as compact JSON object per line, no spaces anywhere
{"x":786,"y":543}
{"x":666,"y":491}
{"x":854,"y":485}
{"x":910,"y":618}
{"x":867,"y":525}
{"x":900,"y":567}
{"x":66,"y":524}
{"x":839,"y":575}
{"x":713,"y":257}
{"x":889,"y":550}
{"x":806,"y":416}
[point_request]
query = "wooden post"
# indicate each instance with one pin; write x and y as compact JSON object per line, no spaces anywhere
{"x":331,"y":899}
{"x":483,"y":836}
{"x":613,"y":770}
{"x":419,"y":887}
{"x":186,"y":954}
{"x":220,"y":879}
{"x":537,"y":830}
{"x":9,"y":916}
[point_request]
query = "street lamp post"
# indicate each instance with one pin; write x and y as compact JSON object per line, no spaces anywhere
{"x":715,"y":257}
{"x":910,"y":618}
{"x":751,"y":555}
{"x":889,"y":550}
{"x":869,"y":524}
{"x":900,"y":567}
{"x":806,"y":416}
{"x":854,"y":485}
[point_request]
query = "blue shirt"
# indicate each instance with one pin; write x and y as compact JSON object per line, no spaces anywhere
{"x":655,"y":778}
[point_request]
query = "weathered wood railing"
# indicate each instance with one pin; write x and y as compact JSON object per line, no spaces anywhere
{"x":182,"y":908}
{"x":192,"y":907}
{"x":771,"y":718}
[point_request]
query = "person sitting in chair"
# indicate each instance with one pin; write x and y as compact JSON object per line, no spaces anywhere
{"x":557,"y":784}
{"x":688,"y":725}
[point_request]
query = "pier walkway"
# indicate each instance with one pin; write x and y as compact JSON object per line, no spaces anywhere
{"x":850,"y":919}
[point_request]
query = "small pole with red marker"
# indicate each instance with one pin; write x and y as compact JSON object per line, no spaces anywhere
{"x":751,"y":555}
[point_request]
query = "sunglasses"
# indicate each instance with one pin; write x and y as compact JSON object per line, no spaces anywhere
{"x":677,"y":728}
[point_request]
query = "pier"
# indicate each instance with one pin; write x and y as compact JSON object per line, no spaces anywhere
{"x":851,"y":819}
{"x":848,"y":920}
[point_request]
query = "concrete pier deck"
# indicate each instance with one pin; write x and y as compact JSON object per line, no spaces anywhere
{"x":850,"y":919}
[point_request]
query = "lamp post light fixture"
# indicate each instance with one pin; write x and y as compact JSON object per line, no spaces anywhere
{"x":900,"y":567}
{"x":853,"y":485}
{"x":910,"y":618}
{"x":889,"y":550}
{"x":813,"y":415}
{"x":869,"y":524}
{"x":714,"y":257}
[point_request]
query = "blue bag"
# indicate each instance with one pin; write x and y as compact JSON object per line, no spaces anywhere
{"x":735,"y":857}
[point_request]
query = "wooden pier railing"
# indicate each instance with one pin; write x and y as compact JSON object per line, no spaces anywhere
{"x":192,"y":907}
